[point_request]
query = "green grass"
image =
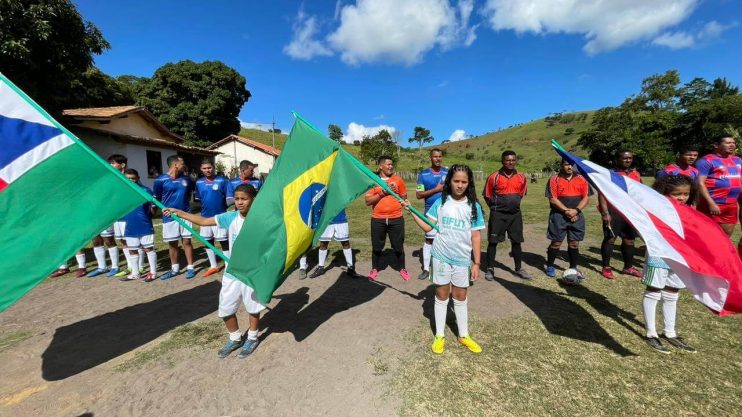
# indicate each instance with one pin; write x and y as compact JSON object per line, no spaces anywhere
{"x":10,"y":339}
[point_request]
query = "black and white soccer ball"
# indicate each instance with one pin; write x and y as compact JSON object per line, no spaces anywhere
{"x":572,"y":277}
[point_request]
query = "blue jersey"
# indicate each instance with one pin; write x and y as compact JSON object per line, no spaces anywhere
{"x":174,"y":192}
{"x":139,"y":221}
{"x":237,"y":181}
{"x":429,"y":179}
{"x":340,"y":218}
{"x":213,"y":195}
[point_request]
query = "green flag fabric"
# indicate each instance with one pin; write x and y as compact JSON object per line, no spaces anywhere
{"x":311,"y":182}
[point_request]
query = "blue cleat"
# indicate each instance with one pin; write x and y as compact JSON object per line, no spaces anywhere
{"x":169,"y":274}
{"x":97,"y":271}
{"x":248,"y":348}
{"x":230,"y":347}
{"x":550,"y":271}
{"x":190,"y":273}
{"x":112,"y":272}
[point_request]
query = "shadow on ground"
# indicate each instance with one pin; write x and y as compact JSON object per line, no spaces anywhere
{"x":86,"y":344}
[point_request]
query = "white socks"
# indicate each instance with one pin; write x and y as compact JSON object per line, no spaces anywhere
{"x":114,"y":254}
{"x":140,"y":252}
{"x":649,"y":307}
{"x":80,"y":260}
{"x":127,"y":255}
{"x":322,"y":257}
{"x":175,"y":268}
{"x":669,"y":311}
{"x":439,"y":309}
{"x":426,"y":256}
{"x":252,"y":335}
{"x":348,"y":253}
{"x":100,"y":256}
{"x":235,"y":335}
{"x":303,"y":263}
{"x":462,"y":316}
{"x":212,"y":258}
{"x":152,"y":259}
{"x":133,"y":262}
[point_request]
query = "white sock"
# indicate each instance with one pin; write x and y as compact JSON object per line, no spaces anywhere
{"x":462,"y":316}
{"x":80,"y":260}
{"x":440,"y":309}
{"x":63,"y":266}
{"x":669,"y":311}
{"x":189,"y":266}
{"x":100,"y":256}
{"x":235,"y":335}
{"x":175,"y":268}
{"x":127,"y":255}
{"x":426,"y":256}
{"x":212,"y":258}
{"x":649,"y":308}
{"x":252,"y":335}
{"x":348,"y":253}
{"x":113,"y":253}
{"x":152,"y":259}
{"x":134,"y":265}
{"x":322,"y":257}
{"x":303,"y":263}
{"x":140,"y":252}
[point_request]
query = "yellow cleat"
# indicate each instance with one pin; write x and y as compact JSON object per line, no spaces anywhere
{"x":470,"y":344}
{"x":438,"y":344}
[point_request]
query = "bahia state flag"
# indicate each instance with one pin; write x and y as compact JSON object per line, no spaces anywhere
{"x":55,"y":194}
{"x":696,"y":248}
{"x":312,"y":181}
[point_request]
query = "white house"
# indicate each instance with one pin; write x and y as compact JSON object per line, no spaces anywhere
{"x":234,"y":149}
{"x":136,"y":133}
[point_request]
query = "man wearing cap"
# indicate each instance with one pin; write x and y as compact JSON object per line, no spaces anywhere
{"x":245,"y":176}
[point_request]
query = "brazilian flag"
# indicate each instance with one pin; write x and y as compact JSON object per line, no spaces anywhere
{"x":311,"y":182}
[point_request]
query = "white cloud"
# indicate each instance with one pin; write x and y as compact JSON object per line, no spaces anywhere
{"x":606,"y":25}
{"x":395,"y":31}
{"x":457,"y":135}
{"x":681,"y":39}
{"x":357,"y":131}
{"x":303,"y":44}
{"x":675,"y":40}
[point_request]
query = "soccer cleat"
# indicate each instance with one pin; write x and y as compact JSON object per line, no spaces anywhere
{"x":489,"y":274}
{"x":248,"y":348}
{"x":123,"y":273}
{"x":470,"y":344}
{"x":96,"y":272}
{"x":423,"y":275}
{"x":373,"y":274}
{"x":523,"y":274}
{"x":632,"y":271}
{"x":211,"y":272}
{"x":149,"y":277}
{"x":169,"y":274}
{"x":656,"y":344}
{"x":112,"y":272}
{"x":230,"y":347}
{"x":128,"y":278}
{"x":607,"y":272}
{"x":679,"y":343}
{"x":59,"y":272}
{"x":81,"y":272}
{"x":550,"y":271}
{"x":190,"y":273}
{"x":439,"y":343}
{"x":351,"y":272}
{"x":404,"y":274}
{"x":302,"y":273}
{"x":320,"y":270}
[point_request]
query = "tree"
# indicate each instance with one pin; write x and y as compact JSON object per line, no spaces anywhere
{"x":421,"y":137}
{"x":334,"y":132}
{"x":96,"y":89}
{"x":722,"y":88}
{"x":372,"y":147}
{"x":46,"y":48}
{"x":199,"y":101}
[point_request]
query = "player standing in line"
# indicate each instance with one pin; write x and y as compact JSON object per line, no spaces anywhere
{"x":684,"y":164}
{"x":233,"y":290}
{"x":140,"y":235}
{"x":245,"y":176}
{"x":430,"y":188}
{"x":211,"y":189}
{"x":174,"y":189}
{"x":339,"y":230}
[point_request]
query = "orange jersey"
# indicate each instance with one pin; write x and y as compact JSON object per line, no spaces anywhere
{"x":388,"y":207}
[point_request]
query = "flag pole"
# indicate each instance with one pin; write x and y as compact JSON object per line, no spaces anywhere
{"x":117,"y":173}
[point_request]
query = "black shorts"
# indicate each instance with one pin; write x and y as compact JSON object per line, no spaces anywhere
{"x":500,"y":223}
{"x":380,"y":228}
{"x":560,"y":226}
{"x":619,"y":227}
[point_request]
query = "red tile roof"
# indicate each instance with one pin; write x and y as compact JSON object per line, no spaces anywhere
{"x":249,"y":142}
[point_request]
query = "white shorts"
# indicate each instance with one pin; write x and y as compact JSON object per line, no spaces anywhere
{"x":233,"y":291}
{"x":431,"y":234}
{"x":660,"y":278}
{"x":340,"y":232}
{"x":147,"y":241}
{"x":442,"y":273}
{"x":116,"y":230}
{"x":173,"y":231}
{"x":213,"y":232}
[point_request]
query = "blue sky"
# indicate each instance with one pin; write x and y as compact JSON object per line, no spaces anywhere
{"x":457,"y":67}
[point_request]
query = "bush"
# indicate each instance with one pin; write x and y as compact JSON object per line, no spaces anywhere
{"x":469,"y":156}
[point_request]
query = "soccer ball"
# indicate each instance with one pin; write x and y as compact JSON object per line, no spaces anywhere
{"x":572,"y":277}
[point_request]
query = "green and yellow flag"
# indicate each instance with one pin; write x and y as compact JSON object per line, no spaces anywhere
{"x":311,"y":182}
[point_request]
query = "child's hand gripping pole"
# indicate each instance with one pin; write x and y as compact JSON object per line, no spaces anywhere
{"x":177,"y":218}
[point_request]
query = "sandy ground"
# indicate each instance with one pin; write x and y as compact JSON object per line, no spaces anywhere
{"x":317,"y":336}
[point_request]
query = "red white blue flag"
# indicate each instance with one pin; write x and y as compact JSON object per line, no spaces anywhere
{"x":696,"y":248}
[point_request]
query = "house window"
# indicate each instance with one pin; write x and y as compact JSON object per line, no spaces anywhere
{"x":154,"y":164}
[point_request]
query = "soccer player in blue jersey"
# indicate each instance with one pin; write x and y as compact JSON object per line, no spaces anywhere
{"x":337,"y":229}
{"x":430,"y":187}
{"x":174,"y":189}
{"x":140,"y":235}
{"x":247,"y":170}
{"x":211,"y":190}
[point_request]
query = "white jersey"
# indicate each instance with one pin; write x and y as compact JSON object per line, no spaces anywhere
{"x":232,"y":221}
{"x":452,"y":245}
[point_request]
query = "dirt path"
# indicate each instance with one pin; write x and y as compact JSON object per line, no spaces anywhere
{"x":318,"y":338}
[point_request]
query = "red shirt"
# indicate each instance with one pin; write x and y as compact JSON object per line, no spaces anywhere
{"x":388,"y":207}
{"x":569,"y":191}
{"x":504,"y":192}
